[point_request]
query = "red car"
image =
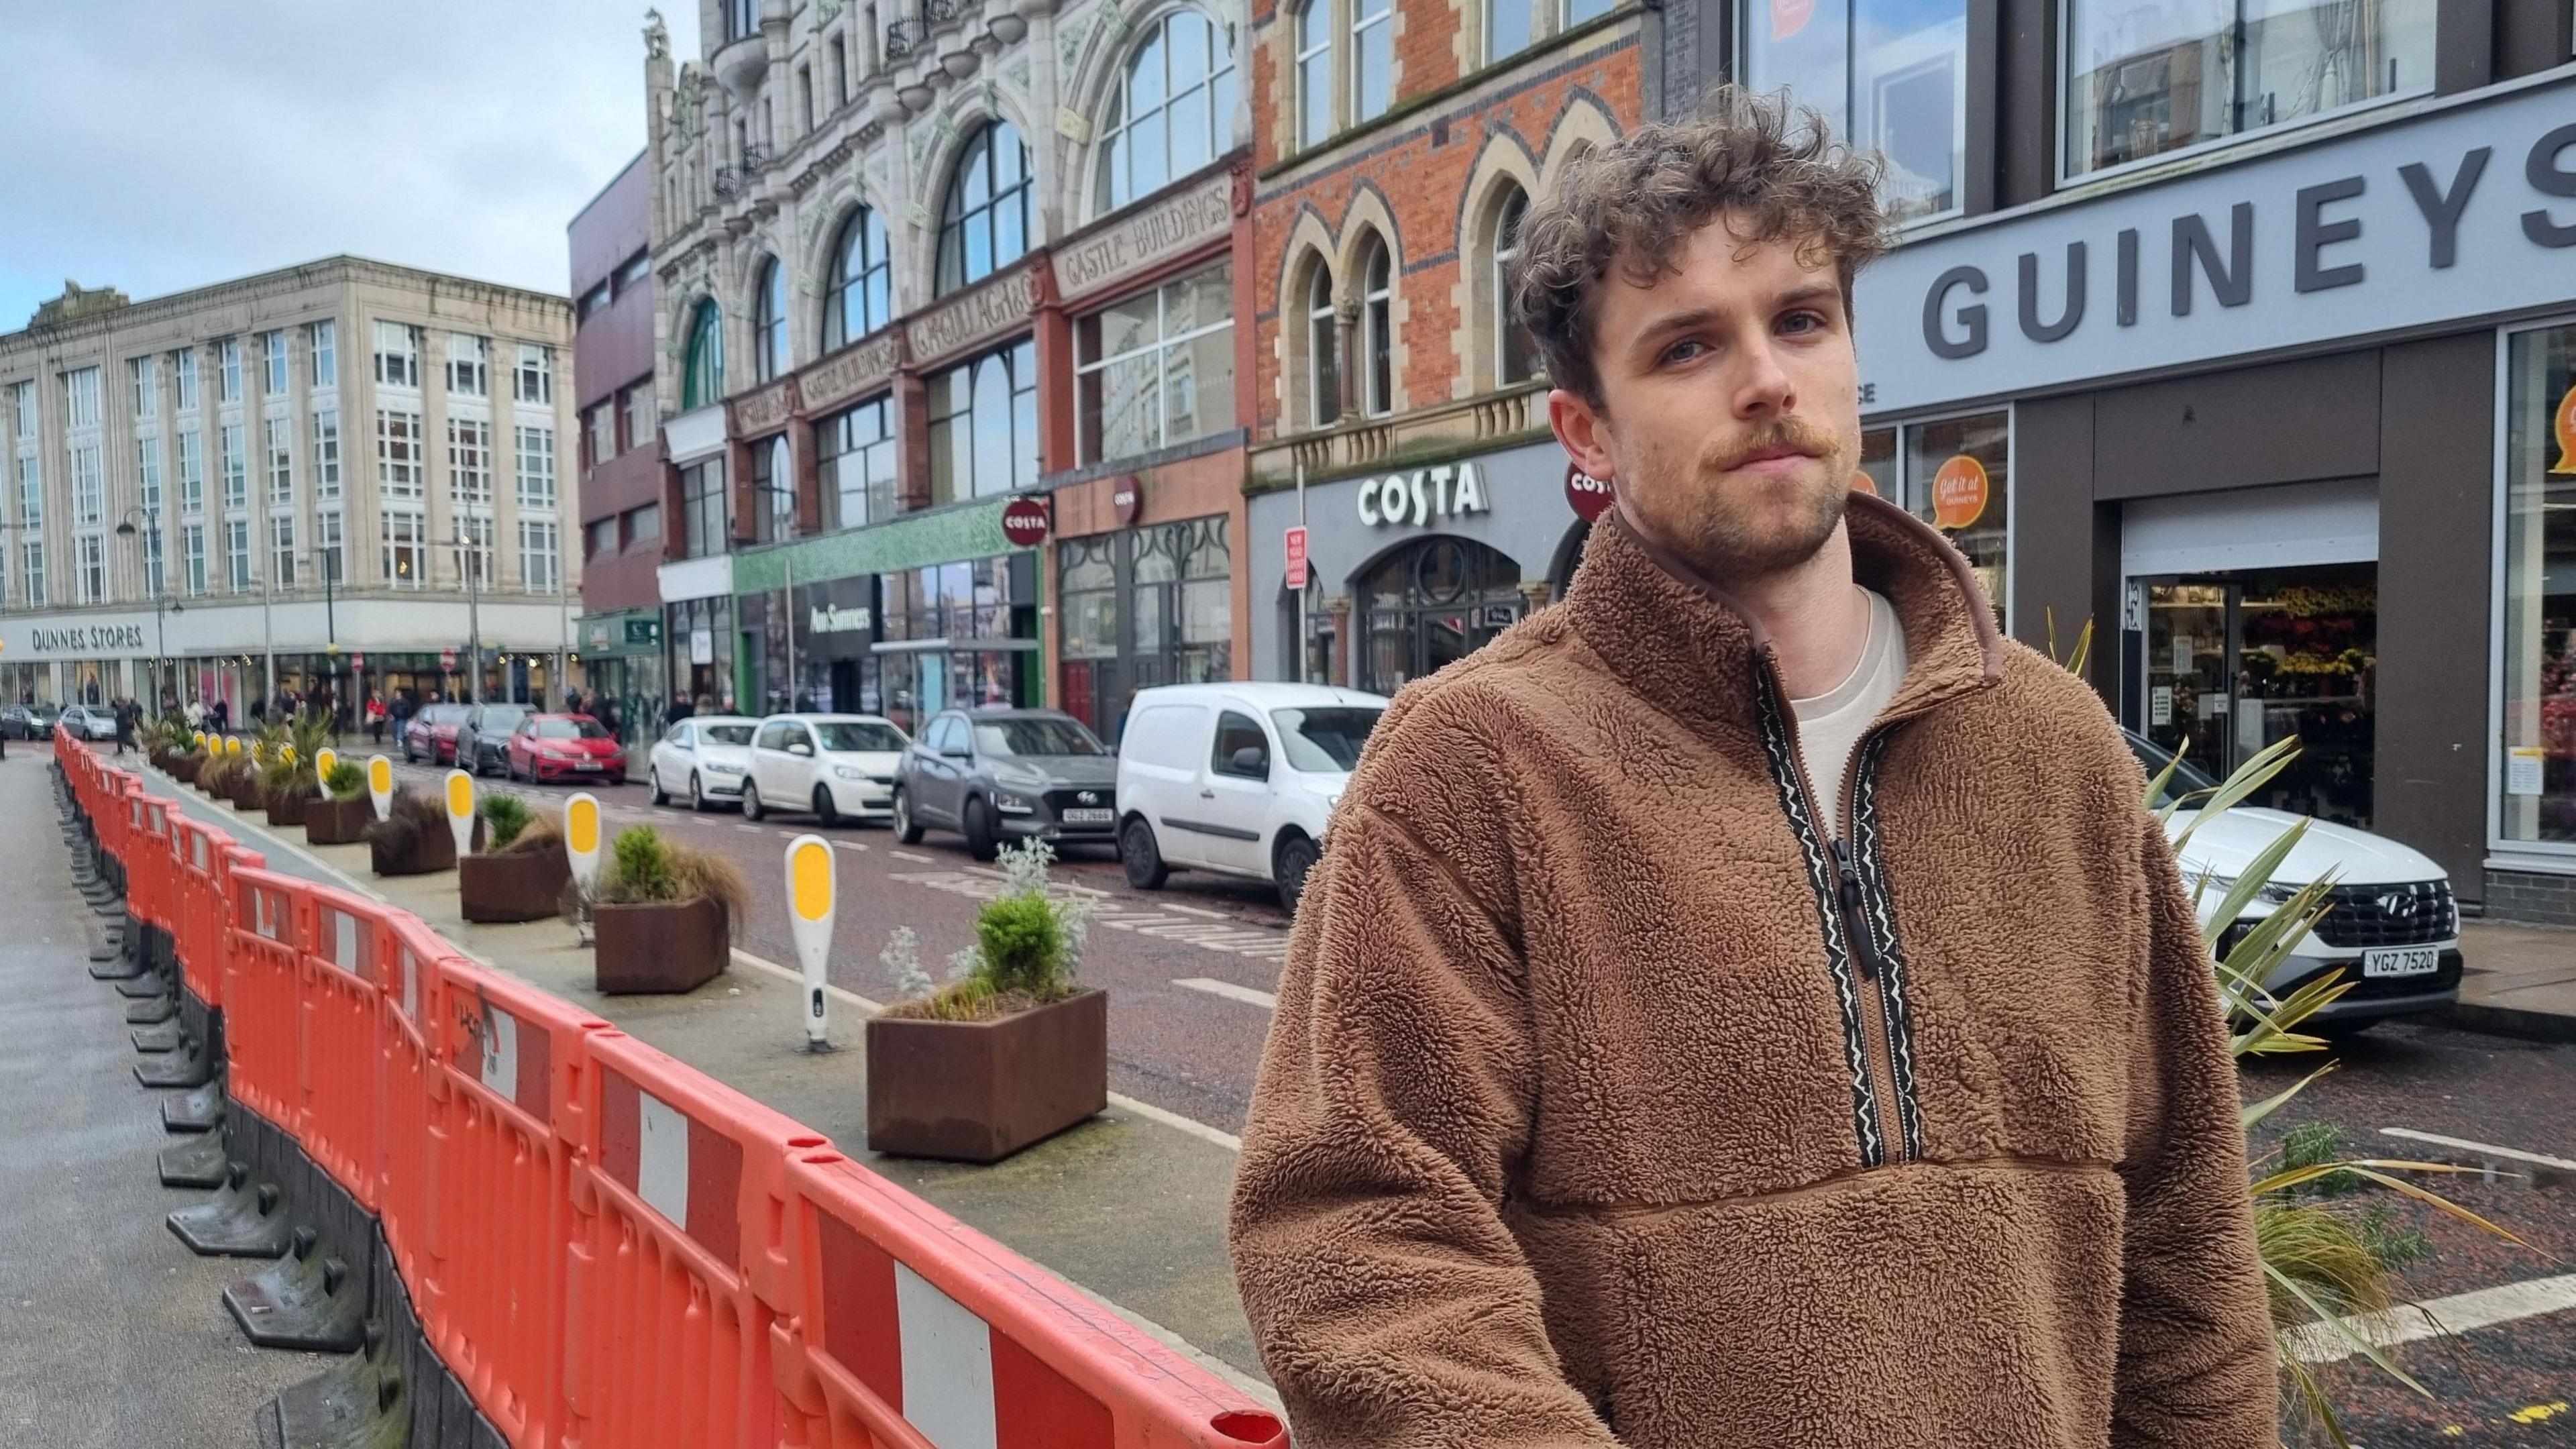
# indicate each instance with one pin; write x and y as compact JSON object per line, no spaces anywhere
{"x":431,"y":735}
{"x":564,"y":747}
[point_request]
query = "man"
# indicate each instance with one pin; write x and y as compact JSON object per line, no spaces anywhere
{"x":1746,"y":1004}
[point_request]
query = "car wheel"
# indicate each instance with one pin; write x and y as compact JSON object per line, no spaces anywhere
{"x":751,"y":807}
{"x":1141,"y":857}
{"x":653,"y":781}
{"x":980,"y":842}
{"x":906,"y":829}
{"x":824,"y":814}
{"x":697,"y":794}
{"x":1296,"y":856}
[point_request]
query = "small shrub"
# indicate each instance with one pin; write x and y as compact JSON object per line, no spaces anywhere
{"x":539,"y":834}
{"x":348,"y":780}
{"x":407,"y":823}
{"x":504,"y":816}
{"x":1021,"y":944}
{"x":1028,"y":943}
{"x":644,"y":868}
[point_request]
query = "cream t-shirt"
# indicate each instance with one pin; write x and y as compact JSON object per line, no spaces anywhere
{"x":1831,"y":723}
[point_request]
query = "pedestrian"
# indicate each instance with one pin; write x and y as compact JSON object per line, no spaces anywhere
{"x":222,"y":713}
{"x":678,"y":711}
{"x":376,"y":718}
{"x":1747,"y":1002}
{"x":125,"y":712}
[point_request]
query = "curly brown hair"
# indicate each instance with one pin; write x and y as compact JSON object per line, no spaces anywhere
{"x":1772,"y":169}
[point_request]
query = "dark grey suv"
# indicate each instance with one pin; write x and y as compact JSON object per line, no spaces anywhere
{"x":995,"y":775}
{"x":483,"y":741}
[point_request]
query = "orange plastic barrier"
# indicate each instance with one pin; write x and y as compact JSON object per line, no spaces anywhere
{"x":414,"y":1091}
{"x":339,"y":1076}
{"x":263,"y":994}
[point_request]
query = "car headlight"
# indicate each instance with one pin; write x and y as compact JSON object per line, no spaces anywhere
{"x":719,"y":767}
{"x":2273,"y":893}
{"x":851,"y":773}
{"x":1010,"y":804}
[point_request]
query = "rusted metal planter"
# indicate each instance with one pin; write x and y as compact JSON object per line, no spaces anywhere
{"x":338,"y":822}
{"x":291,"y":811}
{"x":246,"y":794}
{"x":432,"y":850}
{"x":182,"y":767}
{"x":978,"y":1091}
{"x":527,"y":886}
{"x":659,"y":946}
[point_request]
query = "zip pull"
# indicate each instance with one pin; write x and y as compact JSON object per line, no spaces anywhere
{"x":1855,"y":927}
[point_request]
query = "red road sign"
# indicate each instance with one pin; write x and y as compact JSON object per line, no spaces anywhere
{"x":1297,"y":557}
{"x":1025,"y":520}
{"x":447,"y":659}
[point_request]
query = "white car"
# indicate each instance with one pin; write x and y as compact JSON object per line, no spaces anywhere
{"x":1240,"y":779}
{"x":90,"y":722}
{"x":2393,"y":926}
{"x":839,"y":766}
{"x":704,"y":759}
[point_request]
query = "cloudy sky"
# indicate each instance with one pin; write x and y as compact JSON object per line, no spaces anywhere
{"x":157,"y":145}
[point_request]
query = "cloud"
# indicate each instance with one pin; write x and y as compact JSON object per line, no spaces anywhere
{"x":161,"y":145}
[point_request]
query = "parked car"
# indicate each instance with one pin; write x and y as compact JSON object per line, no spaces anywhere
{"x":483,"y":740}
{"x":549,"y":747}
{"x":840,"y":766}
{"x":2392,"y":927}
{"x":29,"y":721}
{"x":710,"y":755}
{"x":1239,"y":779}
{"x":1007,"y":774}
{"x":90,"y":722}
{"x":431,"y":735}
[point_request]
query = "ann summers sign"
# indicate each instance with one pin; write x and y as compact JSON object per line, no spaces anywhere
{"x":2467,"y":211}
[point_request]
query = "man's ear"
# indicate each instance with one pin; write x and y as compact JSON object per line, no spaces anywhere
{"x":1583,"y":431}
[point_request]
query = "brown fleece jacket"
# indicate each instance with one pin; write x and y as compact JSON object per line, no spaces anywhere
{"x":1608,"y":1102}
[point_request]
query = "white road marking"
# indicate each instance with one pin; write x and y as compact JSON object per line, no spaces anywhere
{"x":2460,"y":1313}
{"x":1226,"y":934}
{"x":1197,"y":911}
{"x":750,"y":829}
{"x":2540,"y":1159}
{"x":847,"y":845}
{"x":906,"y":855}
{"x":1267,"y":1001}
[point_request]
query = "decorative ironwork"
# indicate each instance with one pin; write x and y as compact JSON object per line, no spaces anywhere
{"x":755,"y":156}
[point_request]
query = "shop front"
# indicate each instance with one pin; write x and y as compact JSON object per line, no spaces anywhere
{"x":621,"y":657}
{"x":2285,"y":434}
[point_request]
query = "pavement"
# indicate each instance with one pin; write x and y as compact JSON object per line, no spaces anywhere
{"x":111,"y":1333}
{"x":2518,"y":979}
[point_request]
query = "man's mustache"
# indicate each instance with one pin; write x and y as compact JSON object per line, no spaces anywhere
{"x":1795,"y":435}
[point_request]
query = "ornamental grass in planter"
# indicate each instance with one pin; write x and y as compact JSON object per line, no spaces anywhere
{"x":215,"y":771}
{"x":287,"y":781}
{"x":1011,"y":1050}
{"x":663,"y":916}
{"x":343,"y":812}
{"x":413,"y":839}
{"x":522,"y":872}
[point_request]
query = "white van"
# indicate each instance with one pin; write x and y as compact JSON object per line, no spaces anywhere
{"x":1236,"y":778}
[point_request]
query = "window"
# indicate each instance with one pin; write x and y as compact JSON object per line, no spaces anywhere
{"x":1314,"y":72}
{"x":326,"y":453}
{"x":857,"y":472}
{"x":805,"y":94}
{"x":24,"y":396}
{"x":769,"y":323}
{"x":322,"y":340}
{"x":406,"y":538}
{"x":741,"y":19}
{"x":89,"y":486}
{"x":146,"y":386}
{"x":1323,"y":349}
{"x":857,"y":296}
{"x":2145,"y":77}
{"x":840,"y":71}
{"x":1377,"y":331}
{"x":702,"y":509}
{"x":273,"y":350}
{"x":31,"y":567}
{"x":1427,"y":605}
{"x":538,"y":562}
{"x":636,"y":404}
{"x":236,"y":466}
{"x":1516,"y":358}
{"x":147,"y":474}
{"x":183,"y":379}
{"x":1507,"y":28}
{"x":1172,"y":111}
{"x":470,"y":552}
{"x":984,"y":223}
{"x":80,"y":398}
{"x":984,"y":426}
{"x":1579,"y":11}
{"x":1888,"y":76}
{"x":469,"y":366}
{"x":397,"y":355}
{"x":2536,"y":803}
{"x":281,"y":461}
{"x":632,"y":272}
{"x":536,"y":450}
{"x":327,"y":545}
{"x":192,"y":472}
{"x":773,"y":491}
{"x":599,"y":536}
{"x":702,"y":380}
{"x":281,"y":552}
{"x":31,"y":493}
{"x":1373,"y":39}
{"x":91,"y":552}
{"x":192,"y":552}
{"x":1236,"y":733}
{"x":536,"y":382}
{"x":599,"y":434}
{"x":398,"y":453}
{"x":1958,"y":478}
{"x":469,"y":462}
{"x":1157,"y":369}
{"x":237,"y":555}
{"x":644,"y":524}
{"x":155,"y":577}
{"x":228,"y":377}
{"x":594,"y":301}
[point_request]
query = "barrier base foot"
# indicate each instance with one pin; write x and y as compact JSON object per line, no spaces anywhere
{"x":114,"y":966}
{"x":355,"y":1405}
{"x":154,"y":1039}
{"x":242,"y":1220}
{"x":186,"y":1068}
{"x":153,"y":1012}
{"x":107,"y":952}
{"x":308,"y":1301}
{"x":200,"y":1111}
{"x":197,"y":1162}
{"x":143,"y":986}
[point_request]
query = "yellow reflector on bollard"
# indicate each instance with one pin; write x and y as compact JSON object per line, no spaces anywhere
{"x":460,"y":794}
{"x":810,"y":880}
{"x":380,"y":773}
{"x":324,"y":759}
{"x":582,"y":818}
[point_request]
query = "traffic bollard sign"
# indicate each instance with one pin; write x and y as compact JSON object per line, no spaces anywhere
{"x":380,"y":784}
{"x":811,"y":903}
{"x":581,"y":838}
{"x":460,"y":811}
{"x":323,"y":761}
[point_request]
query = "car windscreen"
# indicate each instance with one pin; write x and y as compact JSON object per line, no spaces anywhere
{"x":1007,"y":737}
{"x":2190,"y":783}
{"x":501,"y":721}
{"x":725,"y":734}
{"x":570,"y":729}
{"x":858,"y":735}
{"x":1324,"y":741}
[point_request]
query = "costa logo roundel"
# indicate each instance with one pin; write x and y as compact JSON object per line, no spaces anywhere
{"x":380,"y":785}
{"x":1025,"y":520}
{"x":1588,"y":496}
{"x":1959,"y":492}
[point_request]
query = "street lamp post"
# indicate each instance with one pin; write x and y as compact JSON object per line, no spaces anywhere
{"x":126,"y":528}
{"x":469,"y":558}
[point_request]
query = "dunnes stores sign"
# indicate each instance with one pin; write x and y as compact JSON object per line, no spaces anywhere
{"x":1150,"y":236}
{"x":2465,"y":211}
{"x":87,"y":639}
{"x":989,"y":310}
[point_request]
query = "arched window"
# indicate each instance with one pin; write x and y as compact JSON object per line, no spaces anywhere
{"x":984,"y":225}
{"x":857,"y":299}
{"x":1373,"y":41}
{"x":1431,"y":604}
{"x":1172,"y":111}
{"x":1377,"y":329}
{"x":1516,"y":353}
{"x":769,"y":323}
{"x":1323,"y":348}
{"x":1314,"y":72}
{"x":1507,"y":28}
{"x":702,"y":379}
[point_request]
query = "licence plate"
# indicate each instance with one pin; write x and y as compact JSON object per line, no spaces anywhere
{"x":2402,"y":961}
{"x":1089,"y":817}
{"x":585,"y":764}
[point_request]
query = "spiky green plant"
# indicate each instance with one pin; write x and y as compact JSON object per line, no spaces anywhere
{"x":504,"y":816}
{"x":347,"y":780}
{"x":1028,"y":946}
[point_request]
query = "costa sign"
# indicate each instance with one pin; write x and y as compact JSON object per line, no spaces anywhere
{"x":1026,"y":519}
{"x":1451,"y":490}
{"x":1588,"y":496}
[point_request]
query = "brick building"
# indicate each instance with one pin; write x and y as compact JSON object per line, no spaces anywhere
{"x":619,"y":633}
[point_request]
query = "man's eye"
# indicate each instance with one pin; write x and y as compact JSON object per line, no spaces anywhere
{"x":1799,"y":322}
{"x":1683,"y":351}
